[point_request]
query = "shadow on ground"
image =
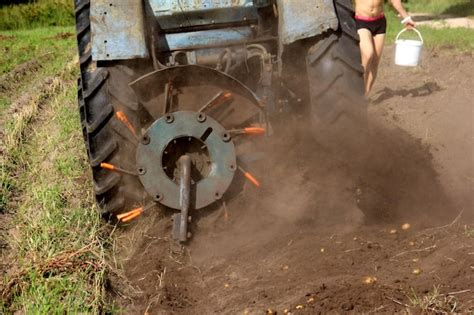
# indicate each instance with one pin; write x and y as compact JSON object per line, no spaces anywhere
{"x":420,"y":91}
{"x":461,"y":9}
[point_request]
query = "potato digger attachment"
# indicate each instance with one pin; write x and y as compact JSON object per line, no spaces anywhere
{"x":178,"y":98}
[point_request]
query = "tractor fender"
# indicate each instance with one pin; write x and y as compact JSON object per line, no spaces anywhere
{"x":299,"y":19}
{"x":117,"y":30}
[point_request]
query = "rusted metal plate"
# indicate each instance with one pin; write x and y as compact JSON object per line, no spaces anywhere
{"x":299,"y":19}
{"x":117,"y":30}
{"x":173,"y":14}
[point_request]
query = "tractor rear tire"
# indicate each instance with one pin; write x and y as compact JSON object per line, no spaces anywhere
{"x":336,"y":86}
{"x":338,"y":106}
{"x":103,"y":91}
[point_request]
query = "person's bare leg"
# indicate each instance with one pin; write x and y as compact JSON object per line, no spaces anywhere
{"x":367,"y":52}
{"x":379,"y":41}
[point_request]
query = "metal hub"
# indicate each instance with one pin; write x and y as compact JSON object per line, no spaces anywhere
{"x":198,"y":136}
{"x":193,"y":147}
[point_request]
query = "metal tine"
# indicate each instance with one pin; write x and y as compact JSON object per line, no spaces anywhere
{"x":130,"y":215}
{"x":248,"y":131}
{"x":218,"y":99}
{"x":168,"y":97}
{"x":249,"y":177}
{"x":111,"y":167}
{"x":124,"y":120}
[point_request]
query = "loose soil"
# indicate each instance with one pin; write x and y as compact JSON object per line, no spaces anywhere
{"x":301,"y":243}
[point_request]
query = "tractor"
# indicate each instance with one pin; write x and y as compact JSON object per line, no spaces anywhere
{"x":177,"y":97}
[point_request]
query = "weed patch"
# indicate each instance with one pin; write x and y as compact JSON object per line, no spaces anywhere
{"x":469,"y":231}
{"x":432,"y":301}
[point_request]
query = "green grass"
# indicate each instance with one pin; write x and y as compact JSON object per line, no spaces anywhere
{"x":51,"y":44}
{"x":58,"y":249}
{"x":57,"y":245}
{"x":43,"y":51}
{"x":37,"y":14}
{"x":54,"y":295}
{"x":459,"y":38}
{"x":438,"y":7}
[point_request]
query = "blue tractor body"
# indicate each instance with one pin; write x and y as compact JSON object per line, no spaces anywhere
{"x":119,"y":27}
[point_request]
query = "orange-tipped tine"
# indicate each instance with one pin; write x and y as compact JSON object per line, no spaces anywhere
{"x":224,"y":97}
{"x":111,"y":167}
{"x":227,"y":95}
{"x":108,"y":166}
{"x":248,"y":131}
{"x":123,"y":118}
{"x":219,"y":99}
{"x":131,"y":217}
{"x":127,"y":216}
{"x":254,"y":130}
{"x":226,"y":213}
{"x":250,"y":177}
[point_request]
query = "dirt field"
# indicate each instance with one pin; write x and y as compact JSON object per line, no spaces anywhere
{"x":301,"y":245}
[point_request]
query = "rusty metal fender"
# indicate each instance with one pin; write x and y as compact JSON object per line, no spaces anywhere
{"x":118,"y":30}
{"x":299,"y":19}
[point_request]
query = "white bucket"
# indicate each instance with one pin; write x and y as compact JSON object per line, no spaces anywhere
{"x":408,"y":51}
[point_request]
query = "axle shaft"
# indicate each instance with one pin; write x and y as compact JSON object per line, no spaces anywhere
{"x":185,"y":194}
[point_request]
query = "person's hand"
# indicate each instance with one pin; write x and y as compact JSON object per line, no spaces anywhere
{"x":408,"y":22}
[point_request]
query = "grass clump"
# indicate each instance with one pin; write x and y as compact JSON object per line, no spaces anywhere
{"x":37,"y":14}
{"x":469,"y":231}
{"x":432,"y":302}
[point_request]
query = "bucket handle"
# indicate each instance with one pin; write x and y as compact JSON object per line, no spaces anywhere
{"x":406,"y":29}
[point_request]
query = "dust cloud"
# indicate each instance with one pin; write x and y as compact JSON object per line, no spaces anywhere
{"x":385,"y":179}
